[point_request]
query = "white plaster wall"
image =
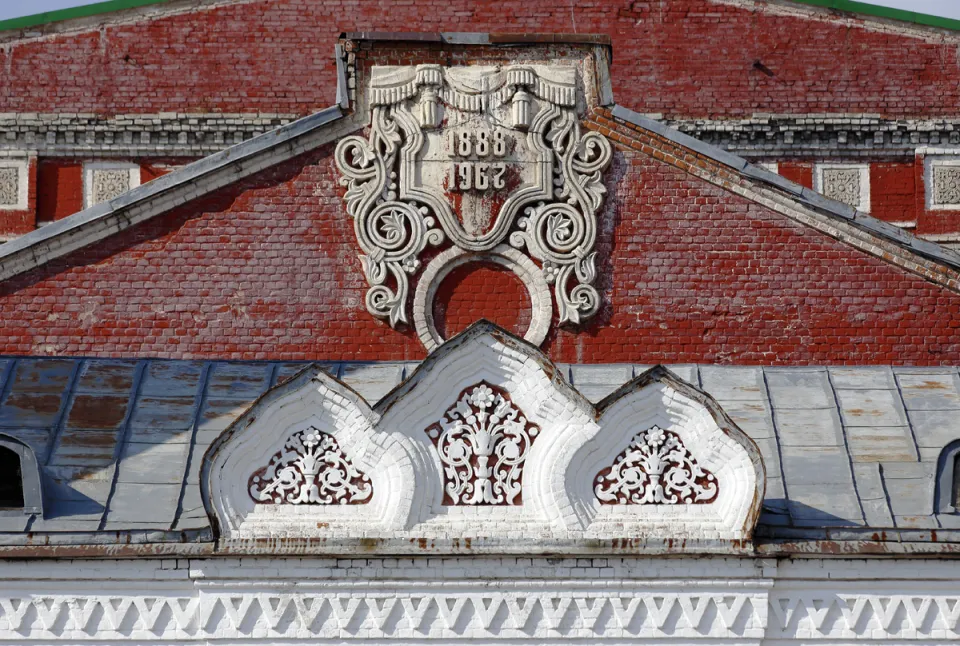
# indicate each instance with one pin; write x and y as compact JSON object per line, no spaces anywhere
{"x":481,"y":600}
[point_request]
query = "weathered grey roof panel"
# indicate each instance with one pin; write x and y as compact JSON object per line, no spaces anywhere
{"x":120,"y":442}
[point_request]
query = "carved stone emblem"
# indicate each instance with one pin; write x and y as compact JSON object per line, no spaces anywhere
{"x":655,"y":469}
{"x":475,"y":157}
{"x":483,"y":442}
{"x":310,"y":470}
{"x":108,"y":184}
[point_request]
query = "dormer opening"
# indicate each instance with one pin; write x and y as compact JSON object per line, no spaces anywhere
{"x":946,"y":495}
{"x":11,"y":479}
{"x":955,"y":490}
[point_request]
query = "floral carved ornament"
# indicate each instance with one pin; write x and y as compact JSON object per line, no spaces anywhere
{"x":655,"y":469}
{"x":310,"y":469}
{"x":483,"y":441}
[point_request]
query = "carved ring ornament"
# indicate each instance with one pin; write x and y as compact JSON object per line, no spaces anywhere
{"x":475,"y":157}
{"x":541,"y":307}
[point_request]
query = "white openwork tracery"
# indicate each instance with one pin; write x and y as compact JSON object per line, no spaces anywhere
{"x":483,"y":442}
{"x":655,"y":469}
{"x":310,"y":470}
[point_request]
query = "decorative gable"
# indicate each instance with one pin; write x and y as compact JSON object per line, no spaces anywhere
{"x":485,"y":443}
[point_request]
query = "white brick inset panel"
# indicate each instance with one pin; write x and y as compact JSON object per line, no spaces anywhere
{"x":942,"y":180}
{"x":846,"y":183}
{"x":103,"y":181}
{"x":14,"y":184}
{"x":550,"y":480}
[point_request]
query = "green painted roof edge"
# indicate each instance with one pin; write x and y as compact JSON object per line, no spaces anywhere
{"x":902,"y":15}
{"x":37,"y":19}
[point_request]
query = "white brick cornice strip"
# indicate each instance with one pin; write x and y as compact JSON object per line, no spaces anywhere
{"x":492,"y":611}
{"x":500,"y":611}
{"x":480,"y":600}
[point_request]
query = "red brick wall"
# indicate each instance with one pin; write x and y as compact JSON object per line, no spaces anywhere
{"x":477,"y":291}
{"x":59,"y":189}
{"x":680,"y":58}
{"x":893,"y":192}
{"x":799,"y":172}
{"x":936,"y":222}
{"x":688,"y":272}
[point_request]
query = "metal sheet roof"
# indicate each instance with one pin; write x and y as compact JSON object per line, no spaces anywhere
{"x":120,"y":441}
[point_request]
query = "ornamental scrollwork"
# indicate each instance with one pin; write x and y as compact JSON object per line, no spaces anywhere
{"x":310,"y":469}
{"x":656,"y":469}
{"x":475,"y":157}
{"x":483,"y":441}
{"x":391,"y":232}
{"x":562,"y":234}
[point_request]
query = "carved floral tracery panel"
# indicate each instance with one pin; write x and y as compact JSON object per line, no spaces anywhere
{"x":483,"y":440}
{"x":9,"y":185}
{"x":655,"y":469}
{"x":475,"y":156}
{"x":310,"y":469}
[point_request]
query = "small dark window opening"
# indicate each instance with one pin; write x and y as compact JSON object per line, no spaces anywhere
{"x":11,"y":480}
{"x":956,"y":481}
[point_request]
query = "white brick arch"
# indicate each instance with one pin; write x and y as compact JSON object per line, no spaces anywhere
{"x":485,"y":448}
{"x":312,"y":399}
{"x":658,"y":398}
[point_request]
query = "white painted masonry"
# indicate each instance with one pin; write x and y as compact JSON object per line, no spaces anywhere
{"x":411,"y":478}
{"x":478,"y":600}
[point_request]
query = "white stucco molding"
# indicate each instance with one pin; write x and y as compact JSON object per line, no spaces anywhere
{"x":531,"y":490}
